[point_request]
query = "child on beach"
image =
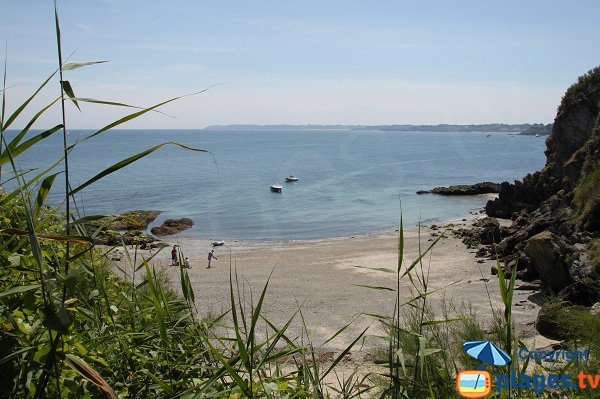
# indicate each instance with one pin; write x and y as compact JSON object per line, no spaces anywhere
{"x":211,"y":256}
{"x":187,"y":263}
{"x":174,"y":261}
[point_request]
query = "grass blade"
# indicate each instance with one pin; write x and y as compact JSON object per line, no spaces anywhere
{"x":128,"y":161}
{"x":74,"y":65}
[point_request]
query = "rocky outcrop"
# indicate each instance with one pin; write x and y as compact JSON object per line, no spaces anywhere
{"x":555,"y":212}
{"x":465,"y":189}
{"x":538,"y":129}
{"x":546,"y":252}
{"x":562,"y":201}
{"x":485,"y":231}
{"x":133,"y":220}
{"x":115,"y":238}
{"x":172,"y":226}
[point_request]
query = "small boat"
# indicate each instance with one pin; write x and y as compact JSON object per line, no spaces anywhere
{"x":537,"y":135}
{"x":276,"y":188}
{"x":218,"y":243}
{"x":291,"y":178}
{"x":488,"y":135}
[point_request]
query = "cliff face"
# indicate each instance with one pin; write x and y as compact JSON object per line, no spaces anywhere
{"x":572,"y":153}
{"x":563,"y":199}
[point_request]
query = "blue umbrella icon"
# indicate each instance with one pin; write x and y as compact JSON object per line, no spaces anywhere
{"x":486,"y":352}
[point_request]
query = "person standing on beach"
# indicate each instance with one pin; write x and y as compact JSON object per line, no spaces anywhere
{"x":187,"y":263}
{"x":211,"y":255}
{"x":174,"y":256}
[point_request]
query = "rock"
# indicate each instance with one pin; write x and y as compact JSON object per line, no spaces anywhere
{"x":489,"y":230}
{"x":136,"y":237}
{"x":529,"y":287}
{"x":590,"y":219}
{"x":547,"y":251}
{"x":481,"y":252}
{"x":133,"y":220}
{"x":465,"y":189}
{"x":584,"y":292}
{"x":114,"y":238}
{"x":595,"y":309}
{"x":580,"y":268}
{"x":494,"y":270}
{"x":172,"y":226}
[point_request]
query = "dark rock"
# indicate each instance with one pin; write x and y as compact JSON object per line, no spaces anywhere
{"x":590,"y":218}
{"x":529,"y":287}
{"x":481,"y":252}
{"x":488,"y":231}
{"x":172,"y":226}
{"x":523,"y":262}
{"x":546,"y":252}
{"x":465,"y":189}
{"x":526,"y":275}
{"x":585,"y":292}
{"x":494,"y":270}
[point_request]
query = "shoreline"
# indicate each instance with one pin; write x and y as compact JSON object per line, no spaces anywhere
{"x":473,"y":214}
{"x":327,"y":278}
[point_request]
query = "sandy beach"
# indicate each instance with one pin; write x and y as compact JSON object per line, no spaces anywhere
{"x":325,"y":279}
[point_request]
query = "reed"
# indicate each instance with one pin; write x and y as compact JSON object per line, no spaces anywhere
{"x":75,"y":326}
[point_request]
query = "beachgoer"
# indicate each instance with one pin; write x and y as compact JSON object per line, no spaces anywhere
{"x":211,"y":255}
{"x":174,"y":256}
{"x":187,"y":263}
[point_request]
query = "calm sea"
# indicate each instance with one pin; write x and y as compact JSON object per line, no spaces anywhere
{"x":351,"y":182}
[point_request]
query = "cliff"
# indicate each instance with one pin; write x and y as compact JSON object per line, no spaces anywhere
{"x":556,"y":211}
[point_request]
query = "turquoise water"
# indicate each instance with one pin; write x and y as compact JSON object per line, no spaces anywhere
{"x":351,"y":182}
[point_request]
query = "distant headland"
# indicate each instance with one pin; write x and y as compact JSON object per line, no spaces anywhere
{"x":490,"y":127}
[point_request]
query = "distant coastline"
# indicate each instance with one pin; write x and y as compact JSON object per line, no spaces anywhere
{"x":485,"y":128}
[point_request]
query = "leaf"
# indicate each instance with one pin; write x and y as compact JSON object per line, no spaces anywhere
{"x":116,"y":104}
{"x":9,"y":152}
{"x":128,"y":161}
{"x":23,"y":132}
{"x":344,"y":353}
{"x":66,"y":86}
{"x":87,"y":372}
{"x":434,"y":322}
{"x":43,"y":192}
{"x":374,"y":287}
{"x":19,"y":289}
{"x":74,"y":65}
{"x":54,"y":237}
{"x":18,"y":111}
{"x":139,"y":113}
{"x":379,"y":269}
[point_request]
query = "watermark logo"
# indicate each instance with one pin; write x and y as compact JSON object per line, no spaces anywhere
{"x":478,"y":383}
{"x":473,"y":383}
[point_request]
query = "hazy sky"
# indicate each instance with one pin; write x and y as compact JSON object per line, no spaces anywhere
{"x":324,"y":62}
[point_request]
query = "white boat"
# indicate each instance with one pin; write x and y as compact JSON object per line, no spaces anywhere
{"x":276,"y":188}
{"x":291,"y":178}
{"x":488,"y":135}
{"x":218,"y":243}
{"x":537,"y":135}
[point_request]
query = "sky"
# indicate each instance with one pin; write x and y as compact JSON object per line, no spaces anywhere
{"x":303,"y":62}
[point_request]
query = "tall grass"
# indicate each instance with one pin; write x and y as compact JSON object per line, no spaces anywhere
{"x":73,"y":326}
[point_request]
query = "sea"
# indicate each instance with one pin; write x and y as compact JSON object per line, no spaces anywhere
{"x":350,"y":181}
